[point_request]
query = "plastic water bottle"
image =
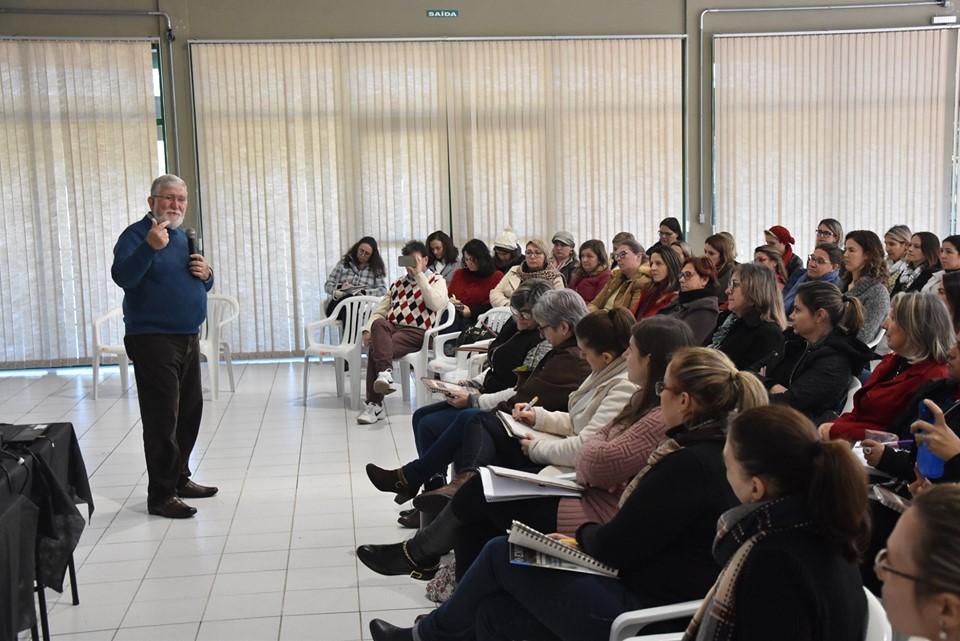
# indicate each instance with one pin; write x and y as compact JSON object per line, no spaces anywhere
{"x":929,"y":464}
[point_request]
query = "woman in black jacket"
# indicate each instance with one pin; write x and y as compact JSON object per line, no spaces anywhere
{"x":751,"y":332}
{"x":821,"y":352}
{"x":790,"y":550}
{"x":698,"y":303}
{"x":659,"y":540}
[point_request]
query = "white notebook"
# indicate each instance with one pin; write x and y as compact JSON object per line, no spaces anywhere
{"x":518,"y":430}
{"x":497,"y":488}
{"x":529,"y":547}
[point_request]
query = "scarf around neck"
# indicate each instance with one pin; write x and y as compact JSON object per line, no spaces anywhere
{"x":739,"y":530}
{"x":547,"y":273}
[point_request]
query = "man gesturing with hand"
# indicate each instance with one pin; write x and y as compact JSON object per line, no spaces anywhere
{"x":164,"y":303}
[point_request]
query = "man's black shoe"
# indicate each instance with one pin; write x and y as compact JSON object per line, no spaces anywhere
{"x":172,"y":508}
{"x":191,"y":490}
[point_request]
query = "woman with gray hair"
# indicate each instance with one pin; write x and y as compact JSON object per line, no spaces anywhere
{"x":919,"y":334}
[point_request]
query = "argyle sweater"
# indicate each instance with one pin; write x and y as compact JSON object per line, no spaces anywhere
{"x":413,"y":302}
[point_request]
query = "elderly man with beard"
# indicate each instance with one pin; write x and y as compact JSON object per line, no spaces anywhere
{"x":164,"y":303}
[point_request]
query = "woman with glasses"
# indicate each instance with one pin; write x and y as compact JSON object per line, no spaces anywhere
{"x":829,"y":232}
{"x":920,"y":568}
{"x":662,"y":291}
{"x":864,"y":278}
{"x":923,"y":261}
{"x":697,"y":304}
{"x":359,"y":272}
{"x":896,"y":243}
{"x":592,"y":273}
{"x":627,"y":282}
{"x":470,"y":286}
{"x":659,"y":540}
{"x":558,"y":373}
{"x":820,"y":353}
{"x":789,"y":551}
{"x":823,"y":266}
{"x":533,"y":267}
{"x":668,"y":231}
{"x":751,"y":331}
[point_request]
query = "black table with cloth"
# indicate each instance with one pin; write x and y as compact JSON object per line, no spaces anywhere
{"x":40,"y":484}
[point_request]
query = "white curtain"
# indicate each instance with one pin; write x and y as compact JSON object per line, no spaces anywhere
{"x":78,"y":150}
{"x":852,"y":126}
{"x":305,"y":147}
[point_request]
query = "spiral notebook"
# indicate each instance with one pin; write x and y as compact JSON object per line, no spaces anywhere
{"x":529,"y":547}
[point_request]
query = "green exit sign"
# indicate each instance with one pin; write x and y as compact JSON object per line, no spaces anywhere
{"x":443,"y":13}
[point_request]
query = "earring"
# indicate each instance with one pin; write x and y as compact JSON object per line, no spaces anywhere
{"x":943,"y":632}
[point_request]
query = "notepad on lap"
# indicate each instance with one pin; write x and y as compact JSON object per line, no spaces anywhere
{"x":529,"y":547}
{"x":498,"y":488}
{"x":516,"y":429}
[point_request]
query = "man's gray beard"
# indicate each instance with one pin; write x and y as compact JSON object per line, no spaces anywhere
{"x":171,"y":224}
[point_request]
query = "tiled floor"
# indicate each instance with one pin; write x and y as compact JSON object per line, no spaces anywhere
{"x":271,"y":557}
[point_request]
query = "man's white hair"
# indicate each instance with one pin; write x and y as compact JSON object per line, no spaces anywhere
{"x":165,"y":181}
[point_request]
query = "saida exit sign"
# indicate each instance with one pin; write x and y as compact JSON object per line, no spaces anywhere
{"x":443,"y":13}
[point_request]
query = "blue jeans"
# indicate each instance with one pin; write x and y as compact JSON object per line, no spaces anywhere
{"x":498,"y":601}
{"x":443,"y":429}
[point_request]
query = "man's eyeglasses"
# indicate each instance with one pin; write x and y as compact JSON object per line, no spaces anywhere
{"x":170,"y":199}
{"x":816,"y":259}
{"x":521,"y":314}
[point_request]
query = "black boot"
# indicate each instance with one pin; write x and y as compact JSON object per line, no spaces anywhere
{"x":391,"y":481}
{"x":409,"y":519}
{"x":395,"y":560}
{"x":380,"y":630}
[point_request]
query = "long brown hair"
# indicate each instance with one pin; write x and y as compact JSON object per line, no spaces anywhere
{"x":781,"y":444}
{"x":874,"y":255}
{"x":657,"y":337}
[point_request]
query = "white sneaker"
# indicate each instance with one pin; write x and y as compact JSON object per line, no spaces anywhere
{"x":384,"y":383}
{"x":372,"y":412}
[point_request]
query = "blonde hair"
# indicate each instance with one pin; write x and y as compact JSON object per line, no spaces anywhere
{"x":715,"y":383}
{"x":759,"y":286}
{"x":926,"y":322}
{"x":539,"y":244}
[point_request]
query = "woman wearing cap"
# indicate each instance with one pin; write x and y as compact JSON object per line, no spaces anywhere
{"x":593,"y":272}
{"x":506,"y":251}
{"x":562,"y":258}
{"x":781,"y":239}
{"x":534,"y":266}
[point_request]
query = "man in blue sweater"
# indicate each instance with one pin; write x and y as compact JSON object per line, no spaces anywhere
{"x":164,"y":303}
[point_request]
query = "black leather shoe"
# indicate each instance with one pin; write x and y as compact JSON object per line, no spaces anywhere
{"x":172,"y":508}
{"x":391,"y":481}
{"x":393,"y":560}
{"x":191,"y":490}
{"x":380,"y":630}
{"x":410,"y":519}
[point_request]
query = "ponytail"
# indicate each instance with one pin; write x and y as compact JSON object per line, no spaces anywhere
{"x":714,"y":382}
{"x":845,"y":312}
{"x":752,"y":392}
{"x":606,"y":330}
{"x":781,"y":444}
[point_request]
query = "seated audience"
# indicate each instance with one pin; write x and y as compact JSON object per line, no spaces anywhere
{"x":864,"y":278}
{"x":551,"y":381}
{"x":662,"y":291}
{"x":896,"y":242}
{"x":923,"y":261}
{"x":949,"y":263}
{"x":721,"y":249}
{"x":919,"y":335}
{"x":562,"y":258}
{"x":682,"y":249}
{"x":506,"y":251}
{"x":668,"y":232}
{"x":534,"y":266}
{"x":751,"y":331}
{"x":627,"y":282}
{"x":443,"y":255}
{"x":921,"y":579}
{"x":781,"y":239}
{"x":949,"y":293}
{"x":821,"y":353}
{"x":360,"y":272}
{"x":823,"y":265}
{"x":603,"y":337}
{"x":697,"y":305}
{"x":829,"y":232}
{"x":772,"y":259}
{"x":396,"y":327}
{"x":470,"y":286}
{"x":659,"y":540}
{"x":593,"y":272}
{"x":790,"y":550}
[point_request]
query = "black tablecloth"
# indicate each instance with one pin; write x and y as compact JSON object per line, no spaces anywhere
{"x":39,"y":522}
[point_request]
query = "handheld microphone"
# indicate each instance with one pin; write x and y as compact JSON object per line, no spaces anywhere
{"x":191,"y":241}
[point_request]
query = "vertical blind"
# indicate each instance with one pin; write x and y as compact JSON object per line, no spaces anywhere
{"x":305,"y":147}
{"x":78,"y":151}
{"x":853,"y":126}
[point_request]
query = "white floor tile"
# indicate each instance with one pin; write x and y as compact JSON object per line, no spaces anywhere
{"x":335,"y":627}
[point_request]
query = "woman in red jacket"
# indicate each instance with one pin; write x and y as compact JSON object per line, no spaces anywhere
{"x":470,"y":287}
{"x":665,"y":272}
{"x":593,"y":272}
{"x":919,"y":334}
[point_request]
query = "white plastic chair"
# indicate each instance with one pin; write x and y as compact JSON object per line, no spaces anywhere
{"x":221,"y":310}
{"x":626,"y":626}
{"x":879,"y":337}
{"x":416,"y":362}
{"x":458,"y":366}
{"x":348,"y":347}
{"x":101,"y":349}
{"x":855,"y":385}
